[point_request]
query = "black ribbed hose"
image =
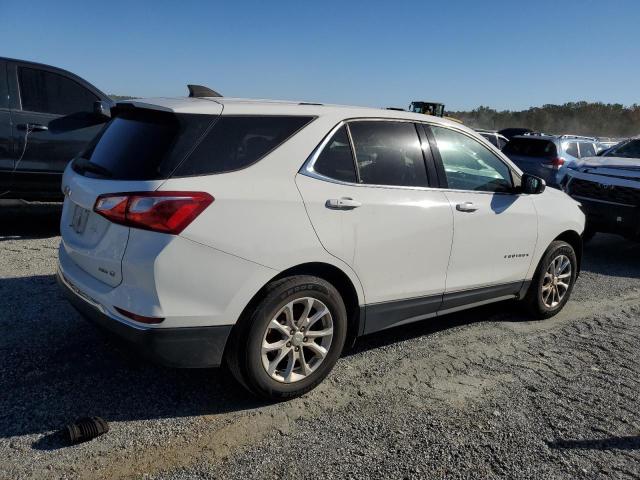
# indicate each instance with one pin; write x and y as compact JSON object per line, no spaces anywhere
{"x":85,"y":429}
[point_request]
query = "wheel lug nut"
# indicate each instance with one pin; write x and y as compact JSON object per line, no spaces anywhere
{"x":305,"y":339}
{"x":288,"y":344}
{"x":297,"y":349}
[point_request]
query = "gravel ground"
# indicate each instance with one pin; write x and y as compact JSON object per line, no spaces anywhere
{"x":479,"y":394}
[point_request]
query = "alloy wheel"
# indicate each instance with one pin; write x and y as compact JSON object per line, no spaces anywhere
{"x":556,"y":281}
{"x":297,"y":340}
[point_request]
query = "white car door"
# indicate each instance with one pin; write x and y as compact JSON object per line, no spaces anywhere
{"x":381,"y":218}
{"x":495,"y":228}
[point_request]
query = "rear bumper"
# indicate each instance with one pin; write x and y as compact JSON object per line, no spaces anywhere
{"x":186,"y":347}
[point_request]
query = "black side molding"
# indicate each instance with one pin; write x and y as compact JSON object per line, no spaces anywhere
{"x":380,"y":316}
{"x":477,"y":295}
{"x":389,"y":314}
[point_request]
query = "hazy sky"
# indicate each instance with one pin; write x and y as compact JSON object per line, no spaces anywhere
{"x":504,"y":54}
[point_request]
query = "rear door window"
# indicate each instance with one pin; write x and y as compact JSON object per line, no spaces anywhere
{"x":47,"y":92}
{"x":388,"y":153}
{"x":572,"y":149}
{"x":236,"y":142}
{"x":587,"y":150}
{"x":531,"y":147}
{"x":336,"y":159}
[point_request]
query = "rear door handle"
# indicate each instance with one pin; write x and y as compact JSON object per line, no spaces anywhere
{"x":34,"y":127}
{"x":344,"y":203}
{"x":466,"y":207}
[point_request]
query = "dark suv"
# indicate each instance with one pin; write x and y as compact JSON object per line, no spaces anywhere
{"x":47,"y":115}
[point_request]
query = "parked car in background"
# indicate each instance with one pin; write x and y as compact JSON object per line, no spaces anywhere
{"x":47,"y":116}
{"x":509,"y":133}
{"x":496,"y":139}
{"x":267,"y":235}
{"x":605,"y":145}
{"x":547,"y":156}
{"x":608,"y":187}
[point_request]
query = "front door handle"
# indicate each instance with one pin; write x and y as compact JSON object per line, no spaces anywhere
{"x":343,"y":203}
{"x":466,"y":207}
{"x":33,"y":127}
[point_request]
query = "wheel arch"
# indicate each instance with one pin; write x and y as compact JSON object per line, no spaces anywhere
{"x":345,"y":286}
{"x":348,"y":289}
{"x":574,"y":239}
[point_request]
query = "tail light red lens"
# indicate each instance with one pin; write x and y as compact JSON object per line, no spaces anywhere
{"x":555,"y":163}
{"x":166,"y":212}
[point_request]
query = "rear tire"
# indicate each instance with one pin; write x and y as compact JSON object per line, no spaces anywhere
{"x":291,"y":340}
{"x":552,"y":282}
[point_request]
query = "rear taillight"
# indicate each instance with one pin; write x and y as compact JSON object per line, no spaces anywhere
{"x":554,"y":163}
{"x":166,"y":212}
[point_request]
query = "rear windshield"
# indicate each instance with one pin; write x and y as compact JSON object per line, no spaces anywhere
{"x":141,"y":144}
{"x":531,"y":147}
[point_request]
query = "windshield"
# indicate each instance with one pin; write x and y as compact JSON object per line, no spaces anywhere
{"x":630,"y":149}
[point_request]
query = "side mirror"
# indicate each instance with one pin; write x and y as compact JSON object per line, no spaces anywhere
{"x":102,"y":110}
{"x":532,"y":184}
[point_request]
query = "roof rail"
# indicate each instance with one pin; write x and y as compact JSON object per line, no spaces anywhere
{"x":579,"y":137}
{"x":198,"y":91}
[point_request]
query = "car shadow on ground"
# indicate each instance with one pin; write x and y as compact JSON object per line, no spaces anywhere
{"x":29,"y":220}
{"x":56,"y":367}
{"x":611,"y":443}
{"x":612,"y":255}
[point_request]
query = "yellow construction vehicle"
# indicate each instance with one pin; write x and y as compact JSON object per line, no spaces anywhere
{"x":430,"y":108}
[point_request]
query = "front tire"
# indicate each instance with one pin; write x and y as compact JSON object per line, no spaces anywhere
{"x":292,"y":339}
{"x":553,"y":281}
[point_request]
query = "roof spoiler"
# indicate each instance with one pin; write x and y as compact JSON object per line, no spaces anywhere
{"x":198,"y":91}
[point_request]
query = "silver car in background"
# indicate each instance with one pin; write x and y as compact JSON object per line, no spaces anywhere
{"x":548,"y":156}
{"x":496,"y":139}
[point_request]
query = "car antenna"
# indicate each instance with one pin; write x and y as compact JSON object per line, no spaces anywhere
{"x":198,"y":91}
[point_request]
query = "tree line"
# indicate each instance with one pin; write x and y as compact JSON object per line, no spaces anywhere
{"x":579,"y":118}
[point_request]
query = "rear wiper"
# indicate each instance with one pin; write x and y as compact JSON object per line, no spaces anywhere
{"x":87,"y":165}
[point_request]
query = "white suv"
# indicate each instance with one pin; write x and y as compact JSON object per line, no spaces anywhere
{"x":268,"y":235}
